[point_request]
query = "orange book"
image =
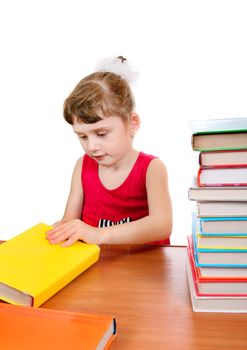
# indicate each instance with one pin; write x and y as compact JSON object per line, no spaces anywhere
{"x":28,"y":328}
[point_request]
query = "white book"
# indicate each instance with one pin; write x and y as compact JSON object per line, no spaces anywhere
{"x":223,"y":226}
{"x":223,"y":158}
{"x":214,"y":125}
{"x":220,"y":272}
{"x":230,"y":193}
{"x":234,"y":176}
{"x":222,"y":209}
{"x":221,"y":242}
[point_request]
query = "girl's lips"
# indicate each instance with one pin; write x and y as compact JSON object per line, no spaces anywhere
{"x":99,"y":157}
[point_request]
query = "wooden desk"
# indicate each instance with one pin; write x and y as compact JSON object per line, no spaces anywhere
{"x":146,"y":289}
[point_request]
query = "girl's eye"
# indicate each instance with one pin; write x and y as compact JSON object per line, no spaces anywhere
{"x":83,"y":137}
{"x":101,"y":134}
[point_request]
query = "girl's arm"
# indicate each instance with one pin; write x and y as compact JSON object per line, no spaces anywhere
{"x":74,"y":204}
{"x":156,"y":226}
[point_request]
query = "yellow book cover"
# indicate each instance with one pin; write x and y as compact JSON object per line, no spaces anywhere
{"x":32,"y":269}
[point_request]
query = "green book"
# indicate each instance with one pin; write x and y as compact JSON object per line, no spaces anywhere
{"x":219,"y":134}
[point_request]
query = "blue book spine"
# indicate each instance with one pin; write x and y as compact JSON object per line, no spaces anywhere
{"x":196,"y":250}
{"x":241,"y":234}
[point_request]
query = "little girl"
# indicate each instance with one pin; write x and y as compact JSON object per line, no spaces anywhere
{"x":118,"y":195}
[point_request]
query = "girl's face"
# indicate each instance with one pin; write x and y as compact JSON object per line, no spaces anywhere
{"x":109,"y":140}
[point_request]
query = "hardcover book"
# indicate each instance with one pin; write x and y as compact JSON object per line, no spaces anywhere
{"x":223,"y":225}
{"x":221,"y":209}
{"x":221,"y":242}
{"x":218,"y":125}
{"x":27,"y":328}
{"x":219,"y":141}
{"x":32,"y":269}
{"x":236,"y":193}
{"x":219,"y":134}
{"x":223,"y":158}
{"x":222,"y":176}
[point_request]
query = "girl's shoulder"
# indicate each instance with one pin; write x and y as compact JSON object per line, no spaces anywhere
{"x":146,"y":156}
{"x":153,"y":164}
{"x":83,"y":161}
{"x":150,"y":160}
{"x":79,"y":162}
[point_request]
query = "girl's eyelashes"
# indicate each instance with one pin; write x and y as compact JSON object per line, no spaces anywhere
{"x":101,"y":134}
{"x":98,"y":133}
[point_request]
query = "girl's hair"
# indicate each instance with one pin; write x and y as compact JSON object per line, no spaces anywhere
{"x":101,"y":92}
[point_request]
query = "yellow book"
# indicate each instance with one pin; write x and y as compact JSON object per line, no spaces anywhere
{"x":32,"y":269}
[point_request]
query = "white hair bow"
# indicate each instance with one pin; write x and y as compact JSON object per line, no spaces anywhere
{"x":118,"y":65}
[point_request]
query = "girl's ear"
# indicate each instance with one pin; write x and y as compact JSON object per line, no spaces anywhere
{"x":134,"y":123}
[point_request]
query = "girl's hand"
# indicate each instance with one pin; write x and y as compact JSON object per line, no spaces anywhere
{"x":72,"y":231}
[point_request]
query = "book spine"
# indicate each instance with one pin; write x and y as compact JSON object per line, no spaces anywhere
{"x":200,"y":158}
{"x":225,"y":166}
{"x":199,"y":177}
{"x":211,"y":149}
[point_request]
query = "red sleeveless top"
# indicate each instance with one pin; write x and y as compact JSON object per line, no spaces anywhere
{"x":128,"y":202}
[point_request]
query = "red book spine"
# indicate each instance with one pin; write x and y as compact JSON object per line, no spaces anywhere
{"x":229,"y":166}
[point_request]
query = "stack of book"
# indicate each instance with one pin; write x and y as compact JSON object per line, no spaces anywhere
{"x":217,"y":248}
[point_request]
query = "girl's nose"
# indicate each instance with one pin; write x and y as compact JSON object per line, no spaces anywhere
{"x":92,"y":145}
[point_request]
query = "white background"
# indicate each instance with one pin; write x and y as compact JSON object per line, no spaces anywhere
{"x":192,"y":59}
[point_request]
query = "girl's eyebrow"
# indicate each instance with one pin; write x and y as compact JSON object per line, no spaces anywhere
{"x":78,"y":132}
{"x":103,"y":128}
